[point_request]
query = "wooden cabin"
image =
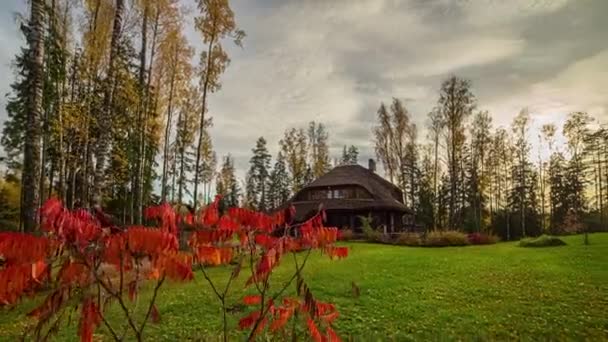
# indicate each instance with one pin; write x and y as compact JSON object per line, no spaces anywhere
{"x":350,"y":191}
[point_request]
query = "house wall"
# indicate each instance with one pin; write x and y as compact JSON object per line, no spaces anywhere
{"x":346,"y":219}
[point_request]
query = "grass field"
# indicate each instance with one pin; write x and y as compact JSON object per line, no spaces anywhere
{"x":477,"y":292}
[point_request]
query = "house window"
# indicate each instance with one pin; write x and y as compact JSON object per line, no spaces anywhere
{"x":334,"y":193}
{"x":361,"y":193}
{"x":319,"y":194}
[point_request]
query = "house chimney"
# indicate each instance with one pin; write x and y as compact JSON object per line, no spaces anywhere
{"x":372,"y":165}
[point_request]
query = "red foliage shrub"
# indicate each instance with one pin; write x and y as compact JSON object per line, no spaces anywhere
{"x":482,"y":239}
{"x":112,"y":262}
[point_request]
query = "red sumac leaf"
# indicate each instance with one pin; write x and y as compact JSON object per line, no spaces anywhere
{"x":89,"y":320}
{"x":210,"y":216}
{"x":332,"y":336}
{"x":14,"y":281}
{"x":39,"y":271}
{"x":148,"y":241}
{"x":154,"y":314}
{"x":175,"y":265}
{"x":314,"y":331}
{"x":17,"y":248}
{"x":330,"y":318}
{"x":283,"y":316}
{"x":132,"y":290}
{"x":165,"y":214}
{"x":74,"y":273}
{"x":252,"y":299}
{"x":248,"y":321}
{"x":265,"y":241}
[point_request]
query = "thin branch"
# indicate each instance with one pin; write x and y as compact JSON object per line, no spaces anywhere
{"x":151,"y":306}
{"x":200,"y":265}
{"x":107,"y":324}
{"x":276,"y":295}
{"x":119,"y":298}
{"x":52,"y":327}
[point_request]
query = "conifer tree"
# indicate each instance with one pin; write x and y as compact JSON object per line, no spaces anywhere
{"x":227,"y":185}
{"x":258,"y":177}
{"x":279,"y":183}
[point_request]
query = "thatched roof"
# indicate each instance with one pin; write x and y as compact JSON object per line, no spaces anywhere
{"x":385,"y":195}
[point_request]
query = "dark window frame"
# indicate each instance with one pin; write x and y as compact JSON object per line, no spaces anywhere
{"x":334,"y":192}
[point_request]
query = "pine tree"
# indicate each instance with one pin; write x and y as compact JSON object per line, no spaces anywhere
{"x":227,"y":185}
{"x":426,"y":196}
{"x":350,"y":155}
{"x":353,"y":155}
{"x":13,"y":132}
{"x":345,"y":159}
{"x":207,"y":167}
{"x":558,"y":195}
{"x":279,"y":183}
{"x":258,"y":177}
{"x":184,"y":138}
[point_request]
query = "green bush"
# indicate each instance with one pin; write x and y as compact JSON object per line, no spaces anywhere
{"x":443,"y":238}
{"x":542,"y":241}
{"x":408,"y":239}
{"x":369,"y":233}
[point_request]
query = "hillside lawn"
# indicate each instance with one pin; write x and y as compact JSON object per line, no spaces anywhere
{"x":498,"y":291}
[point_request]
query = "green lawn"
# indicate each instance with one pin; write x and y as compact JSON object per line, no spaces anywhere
{"x":477,"y":292}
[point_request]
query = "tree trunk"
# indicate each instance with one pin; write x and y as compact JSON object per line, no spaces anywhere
{"x":43,"y":161}
{"x":143,"y":160}
{"x":137,"y":188}
{"x":168,"y":131}
{"x":181,"y":178}
{"x":51,"y":179}
{"x":61,"y":105}
{"x":522,"y":193}
{"x":600,"y":194}
{"x":105,"y":123}
{"x":173,"y":176}
{"x":453,"y":179}
{"x":31,"y":154}
{"x":435,"y":174}
{"x":202,"y":122}
{"x":507,"y":208}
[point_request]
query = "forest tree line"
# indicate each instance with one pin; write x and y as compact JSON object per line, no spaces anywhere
{"x":471,"y":175}
{"x":108,"y":103}
{"x":107,"y":106}
{"x":99,"y":98}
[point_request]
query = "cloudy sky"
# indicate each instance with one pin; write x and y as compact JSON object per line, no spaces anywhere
{"x":335,"y":61}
